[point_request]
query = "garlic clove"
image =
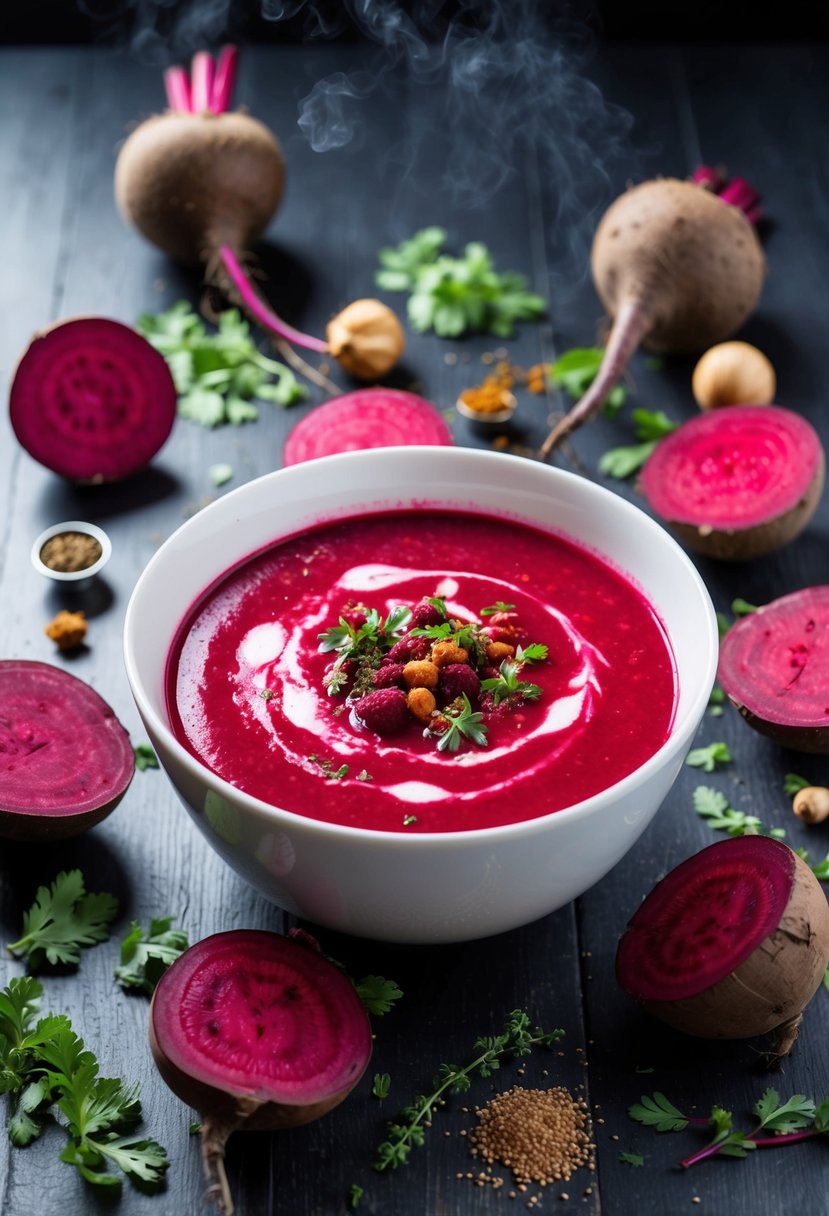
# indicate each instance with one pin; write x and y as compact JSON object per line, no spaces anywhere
{"x":366,"y":339}
{"x":733,"y":373}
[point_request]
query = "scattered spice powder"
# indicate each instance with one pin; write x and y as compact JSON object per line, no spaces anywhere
{"x":540,"y":1134}
{"x":67,"y":629}
{"x":494,"y":393}
{"x":69,"y":552}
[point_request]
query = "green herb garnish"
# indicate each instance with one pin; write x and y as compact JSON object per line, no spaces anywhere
{"x":649,"y":427}
{"x":381,"y":1085}
{"x":145,"y":757}
{"x":713,"y":806}
{"x":518,"y":1038}
{"x":498,"y":606}
{"x":146,"y":955}
{"x":464,"y":722}
{"x":327,"y":768}
{"x":377,"y":993}
{"x":631,"y":1159}
{"x":575,"y":371}
{"x":220,"y":474}
{"x":507,"y":683}
{"x":217,"y":376}
{"x":778,"y":1123}
{"x":455,"y":295}
{"x":793,"y":783}
{"x":63,"y":919}
{"x":408,"y":820}
{"x":44,"y":1068}
{"x":707,"y":758}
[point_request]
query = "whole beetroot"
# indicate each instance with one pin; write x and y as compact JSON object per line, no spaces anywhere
{"x":677,"y":267}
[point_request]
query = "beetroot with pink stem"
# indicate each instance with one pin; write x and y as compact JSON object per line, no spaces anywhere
{"x":65,"y":759}
{"x":92,"y":400}
{"x":774,"y":667}
{"x":259,"y":1032}
{"x":203,"y":183}
{"x":367,"y":418}
{"x":737,"y":482}
{"x":678,"y":267}
{"x":732,"y":944}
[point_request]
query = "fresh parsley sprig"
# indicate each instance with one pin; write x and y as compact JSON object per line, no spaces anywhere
{"x":575,"y":371}
{"x":707,"y":758}
{"x":45,"y":1067}
{"x":408,"y":1131}
{"x":714,"y":807}
{"x":217,"y":376}
{"x":507,"y":683}
{"x":455,"y":295}
{"x":650,"y":426}
{"x":146,"y":954}
{"x":377,"y":993}
{"x":64,"y":918}
{"x":463,"y":723}
{"x":797,"y":1118}
{"x":793,"y":783}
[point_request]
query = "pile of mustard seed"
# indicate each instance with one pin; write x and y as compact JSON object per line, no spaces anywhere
{"x":541,"y":1135}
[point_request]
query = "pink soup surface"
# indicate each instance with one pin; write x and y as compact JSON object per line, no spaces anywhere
{"x":608,"y":685}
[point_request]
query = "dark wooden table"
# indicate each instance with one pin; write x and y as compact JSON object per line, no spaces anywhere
{"x":533,"y":192}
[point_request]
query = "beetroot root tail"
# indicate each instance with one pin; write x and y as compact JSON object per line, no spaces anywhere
{"x":258,"y":309}
{"x":630,"y":326}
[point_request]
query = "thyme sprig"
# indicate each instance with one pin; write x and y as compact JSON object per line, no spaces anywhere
{"x":518,"y":1038}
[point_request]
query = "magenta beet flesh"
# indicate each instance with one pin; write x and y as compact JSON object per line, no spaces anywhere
{"x":65,"y":759}
{"x":255,"y":1015}
{"x":705,"y":918}
{"x":92,"y":400}
{"x":367,"y":418}
{"x":774,"y":666}
{"x":733,"y":468}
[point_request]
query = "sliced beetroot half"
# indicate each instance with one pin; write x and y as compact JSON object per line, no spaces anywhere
{"x":65,"y":759}
{"x":733,"y":943}
{"x":774,"y":667}
{"x":367,"y":418}
{"x":92,"y":400}
{"x":737,"y":482}
{"x":256,"y":1031}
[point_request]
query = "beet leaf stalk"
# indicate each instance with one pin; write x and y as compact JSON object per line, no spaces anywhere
{"x":798,"y":1118}
{"x":209,"y":86}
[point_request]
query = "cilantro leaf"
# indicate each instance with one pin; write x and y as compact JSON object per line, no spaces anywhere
{"x":463,"y":723}
{"x":652,"y":425}
{"x":145,"y":956}
{"x":218,"y":375}
{"x":793,"y":783}
{"x":62,"y":920}
{"x":377,"y":993}
{"x":656,"y":1111}
{"x":454,"y":295}
{"x":625,"y":461}
{"x":381,"y":1085}
{"x":145,"y":757}
{"x":507,"y":683}
{"x":713,"y":806}
{"x":631,"y":1159}
{"x":707,"y":758}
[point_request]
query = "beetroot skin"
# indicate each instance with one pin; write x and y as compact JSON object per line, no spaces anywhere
{"x":774,"y":667}
{"x":65,"y":759}
{"x":733,"y":943}
{"x":737,"y":482}
{"x":367,"y":418}
{"x":256,"y":1031}
{"x":92,"y":400}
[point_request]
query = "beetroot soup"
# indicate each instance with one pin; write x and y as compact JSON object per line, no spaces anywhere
{"x":422,"y":671}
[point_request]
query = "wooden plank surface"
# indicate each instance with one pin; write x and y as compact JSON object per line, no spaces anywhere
{"x":65,"y":251}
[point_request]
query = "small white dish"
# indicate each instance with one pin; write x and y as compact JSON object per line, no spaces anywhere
{"x":489,"y":417}
{"x":79,"y":577}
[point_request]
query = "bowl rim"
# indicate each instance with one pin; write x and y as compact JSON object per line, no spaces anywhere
{"x":72,"y":576}
{"x":674,"y":746}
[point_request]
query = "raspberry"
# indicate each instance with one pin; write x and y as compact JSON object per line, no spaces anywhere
{"x":425,"y":614}
{"x":389,"y":675}
{"x":457,"y":679}
{"x":384,"y":711}
{"x":409,"y":648}
{"x":355,"y":614}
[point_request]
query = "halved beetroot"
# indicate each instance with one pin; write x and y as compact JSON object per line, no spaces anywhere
{"x":737,"y":482}
{"x":92,"y":400}
{"x":774,"y":667}
{"x":65,"y":759}
{"x":731,"y":944}
{"x":367,"y":418}
{"x":256,"y":1031}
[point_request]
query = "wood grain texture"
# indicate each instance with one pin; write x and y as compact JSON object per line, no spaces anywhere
{"x":65,"y":251}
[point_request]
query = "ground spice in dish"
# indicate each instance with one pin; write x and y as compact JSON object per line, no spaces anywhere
{"x":69,"y":552}
{"x":494,"y":393}
{"x":540,"y":1134}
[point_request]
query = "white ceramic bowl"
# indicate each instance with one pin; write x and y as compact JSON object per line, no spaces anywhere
{"x":426,"y":887}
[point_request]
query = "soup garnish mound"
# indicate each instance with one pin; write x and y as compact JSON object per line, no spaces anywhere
{"x":422,"y":670}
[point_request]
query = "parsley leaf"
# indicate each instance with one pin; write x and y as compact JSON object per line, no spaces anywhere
{"x":464,"y":722}
{"x":707,"y":758}
{"x":575,"y":371}
{"x":455,"y":295}
{"x":145,"y":956}
{"x":507,"y":683}
{"x":381,"y":1085}
{"x":145,"y":757}
{"x":217,"y":376}
{"x":793,"y":783}
{"x":713,"y":806}
{"x":657,"y":1112}
{"x":377,"y":993}
{"x":498,"y":606}
{"x":62,"y":920}
{"x":649,"y":427}
{"x":631,"y":1159}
